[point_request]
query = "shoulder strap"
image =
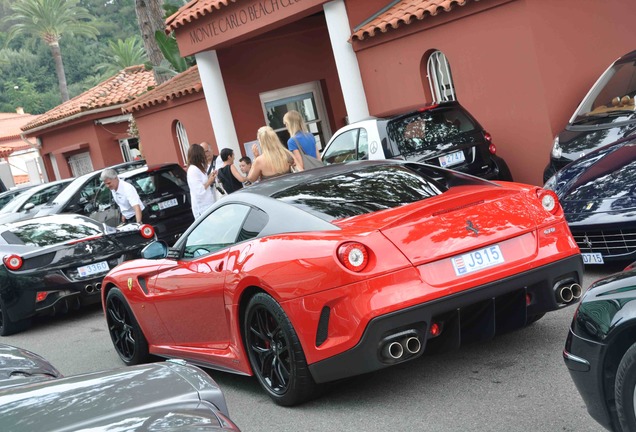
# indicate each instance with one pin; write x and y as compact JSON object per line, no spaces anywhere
{"x":300,"y":148}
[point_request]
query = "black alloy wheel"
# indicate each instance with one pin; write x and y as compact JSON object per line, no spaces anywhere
{"x":275,"y":353}
{"x":624,"y":393}
{"x":127,"y":337}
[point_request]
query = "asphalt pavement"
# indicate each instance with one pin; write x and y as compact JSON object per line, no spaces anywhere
{"x":515,"y":382}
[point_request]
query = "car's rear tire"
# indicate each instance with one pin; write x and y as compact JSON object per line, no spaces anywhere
{"x":9,"y":327}
{"x":625,"y":385}
{"x":128,"y":339}
{"x":275,"y":353}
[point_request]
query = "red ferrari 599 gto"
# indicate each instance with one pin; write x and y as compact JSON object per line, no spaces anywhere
{"x":320,"y":275}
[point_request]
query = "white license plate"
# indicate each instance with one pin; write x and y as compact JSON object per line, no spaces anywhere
{"x":452,"y":159}
{"x":477,"y":260}
{"x":167,"y":204}
{"x":592,"y":258}
{"x":91,"y":269}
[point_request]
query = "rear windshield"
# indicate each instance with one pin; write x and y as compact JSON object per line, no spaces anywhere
{"x":366,"y":190}
{"x":169,"y":179}
{"x":423,"y":130}
{"x":45,"y":233}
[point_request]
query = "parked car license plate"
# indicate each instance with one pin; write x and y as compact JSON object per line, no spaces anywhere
{"x":167,"y":204}
{"x":592,"y":258}
{"x":91,"y":269}
{"x":477,"y":260}
{"x":452,"y":159}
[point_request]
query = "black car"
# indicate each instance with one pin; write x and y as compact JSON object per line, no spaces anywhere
{"x":600,"y":350}
{"x":57,"y":262}
{"x":81,"y":191}
{"x":606,"y":114}
{"x":165,"y":193}
{"x":166,"y":396}
{"x":444,"y":135}
{"x":598,"y":195}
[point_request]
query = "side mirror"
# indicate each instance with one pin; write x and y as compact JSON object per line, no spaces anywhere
{"x":155,"y":250}
{"x":89,"y":208}
{"x":28,"y":206}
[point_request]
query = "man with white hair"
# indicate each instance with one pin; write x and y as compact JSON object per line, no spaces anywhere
{"x":125,"y":195}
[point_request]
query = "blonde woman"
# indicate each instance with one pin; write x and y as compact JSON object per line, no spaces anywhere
{"x":299,"y":136}
{"x":275,"y":159}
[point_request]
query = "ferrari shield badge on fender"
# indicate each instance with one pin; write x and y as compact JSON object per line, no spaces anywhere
{"x":130,"y":284}
{"x":471,"y":227}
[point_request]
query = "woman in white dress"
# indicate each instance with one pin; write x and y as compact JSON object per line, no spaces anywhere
{"x":201,"y":185}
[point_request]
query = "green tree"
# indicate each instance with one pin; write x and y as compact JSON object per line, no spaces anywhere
{"x":48,"y":20}
{"x":122,"y":54}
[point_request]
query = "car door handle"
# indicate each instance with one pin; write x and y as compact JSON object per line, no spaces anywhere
{"x":219,"y":267}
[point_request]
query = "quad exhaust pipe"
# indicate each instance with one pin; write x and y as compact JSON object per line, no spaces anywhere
{"x":568,"y":292}
{"x":90,"y":289}
{"x":395,"y":349}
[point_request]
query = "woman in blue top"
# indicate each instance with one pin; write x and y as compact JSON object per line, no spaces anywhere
{"x":299,"y":136}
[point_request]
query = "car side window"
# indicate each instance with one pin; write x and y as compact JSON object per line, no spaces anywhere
{"x":104,"y":198}
{"x":363,"y":145}
{"x":220,"y":229}
{"x":44,"y":196}
{"x":343,"y":147}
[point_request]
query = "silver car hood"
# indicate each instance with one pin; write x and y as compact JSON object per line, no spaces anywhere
{"x":152,"y":397}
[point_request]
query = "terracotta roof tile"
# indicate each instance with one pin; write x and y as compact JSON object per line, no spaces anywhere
{"x":113,"y":92}
{"x":185,"y":83}
{"x":403,"y":12}
{"x":10,"y":124}
{"x":193,"y":10}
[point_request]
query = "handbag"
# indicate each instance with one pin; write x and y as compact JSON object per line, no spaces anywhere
{"x":309,"y":162}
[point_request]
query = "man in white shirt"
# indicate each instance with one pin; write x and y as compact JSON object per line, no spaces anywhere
{"x":125,"y":195}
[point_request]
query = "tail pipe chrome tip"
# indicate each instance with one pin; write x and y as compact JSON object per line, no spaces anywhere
{"x":98,"y":286}
{"x":577,"y":291}
{"x":90,"y":289}
{"x":412,"y":345}
{"x":393,"y":350}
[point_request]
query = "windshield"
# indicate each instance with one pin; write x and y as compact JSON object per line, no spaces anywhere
{"x":611,"y":99}
{"x":363,"y":191}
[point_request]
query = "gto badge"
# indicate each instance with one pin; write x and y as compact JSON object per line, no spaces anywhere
{"x":471,"y":227}
{"x":89,"y":249}
{"x":130,"y":284}
{"x":374,"y":147}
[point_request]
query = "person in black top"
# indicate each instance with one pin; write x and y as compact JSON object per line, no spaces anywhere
{"x":229,"y":175}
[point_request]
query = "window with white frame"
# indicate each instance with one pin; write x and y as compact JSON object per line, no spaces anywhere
{"x":440,"y":78}
{"x":182,"y":138}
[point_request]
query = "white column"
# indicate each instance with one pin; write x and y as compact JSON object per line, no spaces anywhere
{"x":346,"y":60}
{"x":218,"y":104}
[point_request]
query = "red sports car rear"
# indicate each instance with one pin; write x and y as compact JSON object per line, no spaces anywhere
{"x":344,"y":270}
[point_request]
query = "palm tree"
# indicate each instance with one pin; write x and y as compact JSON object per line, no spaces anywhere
{"x":151,"y":20}
{"x":121,"y":54}
{"x":48,"y":20}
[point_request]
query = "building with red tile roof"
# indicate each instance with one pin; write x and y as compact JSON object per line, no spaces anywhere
{"x":10,"y":132}
{"x":519,"y":66}
{"x":89,"y":131}
{"x":172,"y":116}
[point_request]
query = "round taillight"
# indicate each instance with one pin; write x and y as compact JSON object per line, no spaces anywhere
{"x":488,"y":137}
{"x":147,"y":231}
{"x":549,"y":200}
{"x":13,"y":262}
{"x":492,"y":149}
{"x":353,"y":256}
